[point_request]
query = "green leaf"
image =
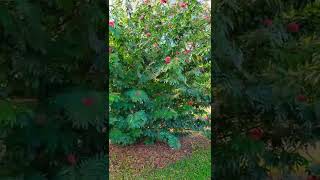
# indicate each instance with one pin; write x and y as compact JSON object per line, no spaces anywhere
{"x":317,"y":110}
{"x":137,"y":96}
{"x":113,"y":97}
{"x":165,"y":114}
{"x":174,"y":142}
{"x":7,"y":21}
{"x":10,"y":113}
{"x":137,"y":120}
{"x":65,"y":4}
{"x":116,"y":32}
{"x":7,"y":114}
{"x":82,"y":114}
{"x":119,"y":137}
{"x":91,"y":168}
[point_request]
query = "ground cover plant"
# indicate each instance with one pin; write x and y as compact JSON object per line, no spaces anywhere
{"x":159,"y":71}
{"x":266,"y":64}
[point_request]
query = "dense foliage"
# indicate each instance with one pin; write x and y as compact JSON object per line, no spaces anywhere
{"x":266,"y":74}
{"x":52,"y":78}
{"x":159,"y":71}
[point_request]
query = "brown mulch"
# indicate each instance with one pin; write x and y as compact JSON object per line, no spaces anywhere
{"x":158,"y":155}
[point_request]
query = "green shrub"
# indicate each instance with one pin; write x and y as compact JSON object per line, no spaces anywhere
{"x":266,"y":86}
{"x":159,"y":71}
{"x":52,"y":89}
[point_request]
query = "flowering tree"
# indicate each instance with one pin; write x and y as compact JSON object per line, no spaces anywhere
{"x":52,"y":90}
{"x":159,"y":71}
{"x":267,"y":100}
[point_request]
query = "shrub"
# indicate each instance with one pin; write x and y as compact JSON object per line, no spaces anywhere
{"x":267,"y":100}
{"x":52,"y":111}
{"x":159,"y":71}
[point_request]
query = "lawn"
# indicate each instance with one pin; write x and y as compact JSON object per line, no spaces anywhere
{"x":197,"y":166}
{"x":158,"y":161}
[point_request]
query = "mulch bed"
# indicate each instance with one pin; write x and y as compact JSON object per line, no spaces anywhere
{"x":158,"y":155}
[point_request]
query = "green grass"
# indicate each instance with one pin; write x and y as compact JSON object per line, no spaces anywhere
{"x":197,"y":166}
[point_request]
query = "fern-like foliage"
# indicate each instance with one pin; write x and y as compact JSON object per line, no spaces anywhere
{"x":148,"y":96}
{"x":92,"y":168}
{"x":46,"y":49}
{"x":82,"y":113}
{"x":264,"y":77}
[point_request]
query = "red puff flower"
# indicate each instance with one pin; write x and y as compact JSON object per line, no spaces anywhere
{"x":183,"y":5}
{"x":148,"y":34}
{"x":312,"y":178}
{"x":163,"y":1}
{"x":167,"y":59}
{"x":87,"y":101}
{"x":72,"y":159}
{"x":177,"y":53}
{"x":267,"y":22}
{"x":256,"y":133}
{"x":111,"y":23}
{"x":190,"y":103}
{"x":301,"y":98}
{"x":146,"y":1}
{"x":221,"y":116}
{"x":187,"y":51}
{"x":293,"y":27}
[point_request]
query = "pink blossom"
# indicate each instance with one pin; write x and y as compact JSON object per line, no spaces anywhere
{"x":293,"y":27}
{"x":163,"y":1}
{"x":187,"y":51}
{"x":267,"y":22}
{"x":183,"y":4}
{"x":167,"y":59}
{"x":111,"y":23}
{"x":87,"y":101}
{"x":71,"y":159}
